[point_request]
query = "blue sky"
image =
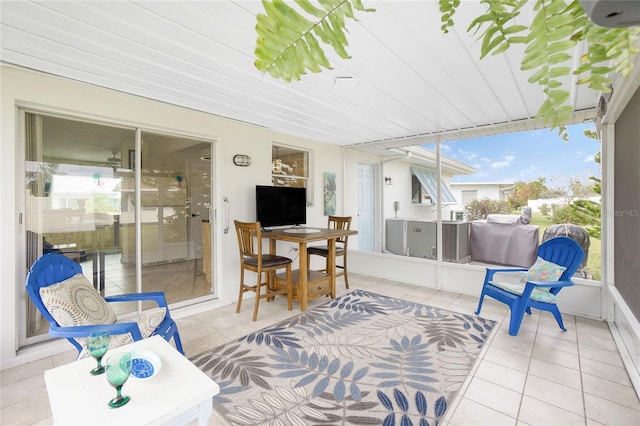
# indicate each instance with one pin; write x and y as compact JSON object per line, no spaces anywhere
{"x":527,"y":156}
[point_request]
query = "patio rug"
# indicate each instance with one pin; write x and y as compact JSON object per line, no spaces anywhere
{"x":359,"y":359}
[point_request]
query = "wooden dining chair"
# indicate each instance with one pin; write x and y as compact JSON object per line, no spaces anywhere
{"x":252,"y":259}
{"x":334,"y":222}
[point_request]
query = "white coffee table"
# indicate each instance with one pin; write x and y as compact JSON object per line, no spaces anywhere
{"x":179,"y":393}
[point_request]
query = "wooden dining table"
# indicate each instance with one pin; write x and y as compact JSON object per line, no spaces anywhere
{"x":310,"y":284}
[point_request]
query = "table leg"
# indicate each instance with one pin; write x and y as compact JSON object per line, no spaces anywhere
{"x":303,"y":284}
{"x":204,"y":412}
{"x":102,"y":272}
{"x":331,"y":266}
{"x":94,"y":263}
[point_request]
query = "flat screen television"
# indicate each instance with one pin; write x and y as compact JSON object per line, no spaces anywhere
{"x":280,"y":206}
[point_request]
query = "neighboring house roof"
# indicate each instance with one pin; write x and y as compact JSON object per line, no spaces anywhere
{"x":425,"y":158}
{"x":500,"y":185}
{"x":488,"y":189}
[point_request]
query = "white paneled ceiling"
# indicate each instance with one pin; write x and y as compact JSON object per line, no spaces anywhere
{"x":413,"y":82}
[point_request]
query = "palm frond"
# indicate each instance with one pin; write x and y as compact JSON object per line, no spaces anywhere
{"x":447,"y":9}
{"x":290,"y":37}
{"x":556,"y":29}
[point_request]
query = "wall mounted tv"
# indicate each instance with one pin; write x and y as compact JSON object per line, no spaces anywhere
{"x":281,"y":206}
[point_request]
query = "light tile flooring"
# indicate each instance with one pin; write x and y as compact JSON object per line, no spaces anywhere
{"x":543,"y":376}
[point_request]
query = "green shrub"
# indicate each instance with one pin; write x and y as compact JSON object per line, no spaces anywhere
{"x":479,"y":209}
{"x":545,"y":209}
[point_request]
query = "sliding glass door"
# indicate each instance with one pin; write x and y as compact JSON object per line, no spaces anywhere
{"x":175,"y":199}
{"x":81,"y":200}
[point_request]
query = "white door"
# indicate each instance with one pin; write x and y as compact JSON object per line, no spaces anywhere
{"x":366,"y":207}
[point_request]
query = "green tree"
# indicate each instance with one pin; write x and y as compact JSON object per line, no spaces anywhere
{"x":588,"y":212}
{"x":585,"y":213}
{"x":561,"y":214}
{"x":597,"y":186}
{"x":545,"y":209}
{"x":580,"y":189}
{"x":580,"y":210}
{"x":571,"y":188}
{"x":528,"y":191}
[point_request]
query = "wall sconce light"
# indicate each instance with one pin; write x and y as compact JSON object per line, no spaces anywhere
{"x":242,"y":160}
{"x":388,"y":180}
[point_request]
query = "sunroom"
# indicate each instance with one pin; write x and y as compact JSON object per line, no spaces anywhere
{"x":180,"y":95}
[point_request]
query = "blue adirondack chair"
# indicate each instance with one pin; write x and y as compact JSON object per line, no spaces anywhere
{"x":54,"y":268}
{"x":541,"y":295}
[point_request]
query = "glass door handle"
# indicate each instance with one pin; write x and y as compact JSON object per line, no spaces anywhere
{"x":226,"y":207}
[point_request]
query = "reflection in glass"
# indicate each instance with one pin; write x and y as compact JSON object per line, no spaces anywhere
{"x":80,"y":199}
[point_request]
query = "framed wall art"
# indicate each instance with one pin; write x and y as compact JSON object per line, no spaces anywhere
{"x":329,"y":193}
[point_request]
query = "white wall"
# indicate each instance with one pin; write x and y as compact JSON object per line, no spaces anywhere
{"x":583,"y":299}
{"x":55,"y":95}
{"x":536,"y":204}
{"x":400,"y":173}
{"x":485,"y":190}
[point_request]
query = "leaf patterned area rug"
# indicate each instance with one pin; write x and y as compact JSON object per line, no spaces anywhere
{"x":360,"y":359}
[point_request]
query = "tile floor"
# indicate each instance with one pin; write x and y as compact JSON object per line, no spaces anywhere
{"x":543,"y":376}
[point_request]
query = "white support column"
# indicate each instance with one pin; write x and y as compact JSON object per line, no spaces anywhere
{"x":439,"y":251}
{"x":138,"y":212}
{"x":607,"y":219}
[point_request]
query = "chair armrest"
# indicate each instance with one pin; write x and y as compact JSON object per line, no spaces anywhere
{"x":551,"y":284}
{"x":491,"y":271}
{"x":84,"y":330}
{"x":156,"y":296}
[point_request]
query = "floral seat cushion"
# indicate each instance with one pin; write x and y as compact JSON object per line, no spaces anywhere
{"x":541,"y":271}
{"x":538,"y":294}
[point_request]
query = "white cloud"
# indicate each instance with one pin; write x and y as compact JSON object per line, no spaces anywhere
{"x":529,"y":173}
{"x":467,"y":155}
{"x":589,"y":158}
{"x":508,"y":159}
